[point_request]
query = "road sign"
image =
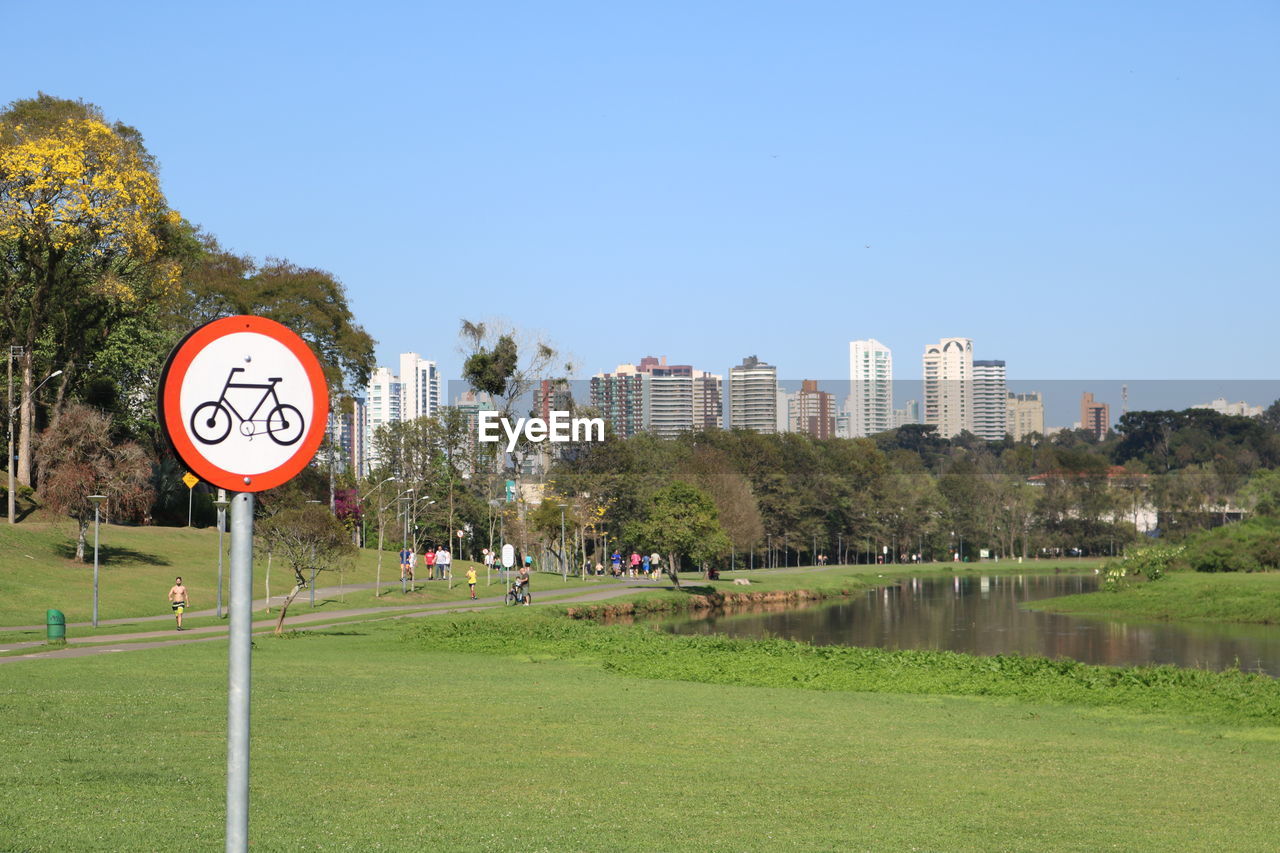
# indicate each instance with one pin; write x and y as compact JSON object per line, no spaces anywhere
{"x":508,"y":556}
{"x":190,"y":479}
{"x":244,"y":403}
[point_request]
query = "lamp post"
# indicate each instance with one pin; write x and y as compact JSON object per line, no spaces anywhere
{"x":96,"y":500}
{"x":13,"y":410}
{"x":564,"y":563}
{"x":313,"y":571}
{"x":221,"y":503}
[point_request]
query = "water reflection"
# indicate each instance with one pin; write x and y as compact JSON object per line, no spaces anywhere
{"x":981,"y":615}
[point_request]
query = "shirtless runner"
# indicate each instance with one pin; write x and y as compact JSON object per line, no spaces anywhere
{"x":178,"y":600}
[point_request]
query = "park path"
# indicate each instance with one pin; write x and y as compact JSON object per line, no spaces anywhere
{"x":313,"y":621}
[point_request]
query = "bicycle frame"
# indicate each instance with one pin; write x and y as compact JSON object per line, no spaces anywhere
{"x":268,"y":392}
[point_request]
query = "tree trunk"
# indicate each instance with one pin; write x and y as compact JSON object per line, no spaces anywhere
{"x":80,"y":539}
{"x":26,"y":416}
{"x":284,"y":608}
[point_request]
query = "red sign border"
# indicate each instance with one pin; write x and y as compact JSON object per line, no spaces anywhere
{"x":175,"y":370}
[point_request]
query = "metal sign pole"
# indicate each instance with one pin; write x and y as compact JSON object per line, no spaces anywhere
{"x":238,"y":665}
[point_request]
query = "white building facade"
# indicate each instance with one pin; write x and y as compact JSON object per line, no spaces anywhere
{"x":870,"y":403}
{"x":948,"y":386}
{"x":753,"y":396}
{"x":990,"y":400}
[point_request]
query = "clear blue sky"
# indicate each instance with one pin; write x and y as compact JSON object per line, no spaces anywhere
{"x":1085,"y":189}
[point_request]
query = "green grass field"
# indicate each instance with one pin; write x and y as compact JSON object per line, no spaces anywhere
{"x":392,"y":737}
{"x":1182,"y":597}
{"x":137,"y":566}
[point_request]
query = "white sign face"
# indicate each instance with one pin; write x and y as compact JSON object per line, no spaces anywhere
{"x":243,"y":402}
{"x":508,"y":556}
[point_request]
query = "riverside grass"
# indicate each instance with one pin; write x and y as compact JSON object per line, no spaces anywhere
{"x":1232,"y":696}
{"x":378,"y":737}
{"x":1252,"y":598}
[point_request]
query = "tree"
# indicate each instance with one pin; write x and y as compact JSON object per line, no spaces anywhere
{"x":83,"y":459}
{"x":306,"y":537}
{"x":681,"y":522}
{"x":84,"y":231}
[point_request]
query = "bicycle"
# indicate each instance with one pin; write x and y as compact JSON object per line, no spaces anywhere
{"x":211,"y":420}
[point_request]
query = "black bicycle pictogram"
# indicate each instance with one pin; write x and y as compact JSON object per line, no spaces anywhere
{"x":211,"y":421}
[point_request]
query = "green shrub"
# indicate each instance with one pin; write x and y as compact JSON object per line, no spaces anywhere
{"x":1248,"y":546}
{"x":1150,"y":562}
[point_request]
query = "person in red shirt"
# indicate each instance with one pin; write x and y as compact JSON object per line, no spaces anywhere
{"x":430,"y":559}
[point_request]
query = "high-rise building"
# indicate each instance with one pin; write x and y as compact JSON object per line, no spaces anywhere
{"x":870,"y":404}
{"x":948,"y":386}
{"x":708,"y":400}
{"x":812,"y":411}
{"x":620,"y":398}
{"x":414,"y":393}
{"x":654,"y":396}
{"x":552,"y":395}
{"x":1025,"y":415}
{"x":419,"y":387}
{"x":668,"y":403}
{"x":908,"y":414}
{"x":753,"y":396}
{"x":1094,"y":416}
{"x":990,"y":400}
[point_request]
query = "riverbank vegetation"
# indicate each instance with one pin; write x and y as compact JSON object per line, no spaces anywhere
{"x":1181,"y":597}
{"x":1231,"y":697}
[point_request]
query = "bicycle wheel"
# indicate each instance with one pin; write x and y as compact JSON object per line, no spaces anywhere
{"x":284,"y":424}
{"x":210,"y":422}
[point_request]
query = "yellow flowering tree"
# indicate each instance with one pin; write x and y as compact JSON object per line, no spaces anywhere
{"x":83,"y":237}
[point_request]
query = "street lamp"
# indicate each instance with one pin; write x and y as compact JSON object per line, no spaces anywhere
{"x":221,"y":504}
{"x":96,"y":500}
{"x":313,"y":571}
{"x":13,"y":410}
{"x":564,"y":563}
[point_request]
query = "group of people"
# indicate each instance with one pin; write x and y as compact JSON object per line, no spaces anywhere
{"x":636,"y":566}
{"x":438,"y":562}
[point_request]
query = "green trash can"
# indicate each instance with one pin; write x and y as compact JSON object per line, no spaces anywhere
{"x":55,"y":625}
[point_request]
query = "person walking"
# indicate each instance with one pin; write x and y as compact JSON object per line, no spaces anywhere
{"x":444,"y":564}
{"x":405,"y":554}
{"x":178,"y":600}
{"x":430,"y":559}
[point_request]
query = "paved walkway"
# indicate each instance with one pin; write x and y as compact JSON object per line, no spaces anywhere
{"x":114,"y":643}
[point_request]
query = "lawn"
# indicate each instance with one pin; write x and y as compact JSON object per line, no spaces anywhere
{"x":137,"y":566}
{"x":1182,"y":597}
{"x":394,"y":737}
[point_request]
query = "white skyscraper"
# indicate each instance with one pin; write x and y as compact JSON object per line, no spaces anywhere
{"x":415,"y":393}
{"x":990,"y":400}
{"x":420,"y":387}
{"x":753,"y":396}
{"x":948,"y":386}
{"x":870,"y":388}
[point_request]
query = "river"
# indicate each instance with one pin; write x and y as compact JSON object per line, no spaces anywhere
{"x":982,"y":615}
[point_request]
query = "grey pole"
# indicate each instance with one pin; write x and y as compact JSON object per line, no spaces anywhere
{"x":238,"y":664}
{"x":96,"y":500}
{"x":221,"y":503}
{"x":564,"y":563}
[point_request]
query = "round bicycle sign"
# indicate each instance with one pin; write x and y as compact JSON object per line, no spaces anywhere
{"x":244,"y":403}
